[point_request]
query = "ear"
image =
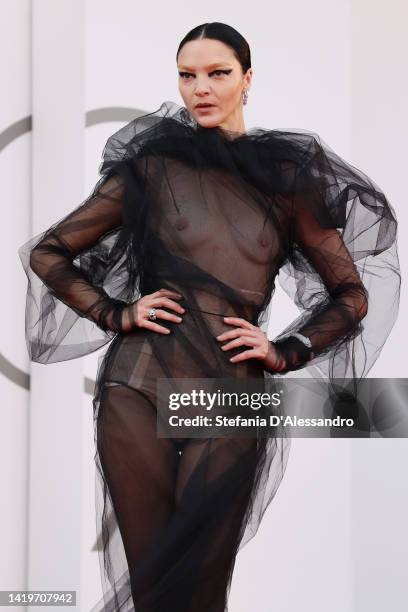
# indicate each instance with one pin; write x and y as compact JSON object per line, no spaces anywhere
{"x":248,"y":78}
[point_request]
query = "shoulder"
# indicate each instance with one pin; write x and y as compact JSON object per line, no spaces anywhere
{"x":293,"y":144}
{"x":147,"y":133}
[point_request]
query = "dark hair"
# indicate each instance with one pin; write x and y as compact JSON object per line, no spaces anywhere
{"x":224,"y":33}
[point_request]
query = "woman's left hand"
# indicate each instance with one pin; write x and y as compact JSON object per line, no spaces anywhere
{"x":247,"y":334}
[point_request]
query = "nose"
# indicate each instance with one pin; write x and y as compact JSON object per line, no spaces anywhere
{"x":201,"y":87}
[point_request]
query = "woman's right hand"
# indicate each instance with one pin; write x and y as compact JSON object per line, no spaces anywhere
{"x":136,"y":314}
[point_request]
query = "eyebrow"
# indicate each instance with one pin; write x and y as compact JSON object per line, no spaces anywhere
{"x":209,"y":66}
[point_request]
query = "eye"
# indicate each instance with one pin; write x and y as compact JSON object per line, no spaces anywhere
{"x":221,"y":72}
{"x":185,"y":75}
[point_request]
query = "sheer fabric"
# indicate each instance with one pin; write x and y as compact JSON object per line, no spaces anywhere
{"x":217,"y":216}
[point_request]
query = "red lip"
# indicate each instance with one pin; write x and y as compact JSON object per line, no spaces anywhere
{"x":204,"y":105}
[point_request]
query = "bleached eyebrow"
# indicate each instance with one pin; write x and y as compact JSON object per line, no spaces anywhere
{"x":208,"y":67}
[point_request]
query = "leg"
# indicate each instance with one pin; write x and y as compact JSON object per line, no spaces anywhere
{"x":180,"y":517}
{"x":214,"y":485}
{"x":140,"y":473}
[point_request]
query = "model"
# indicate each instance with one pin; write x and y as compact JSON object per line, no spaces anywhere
{"x":173,"y":259}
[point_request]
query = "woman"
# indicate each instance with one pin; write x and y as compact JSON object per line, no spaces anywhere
{"x":174,"y":256}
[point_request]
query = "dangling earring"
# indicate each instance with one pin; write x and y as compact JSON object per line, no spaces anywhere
{"x":245,"y":96}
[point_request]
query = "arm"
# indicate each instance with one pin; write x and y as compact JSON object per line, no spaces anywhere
{"x":336,"y":316}
{"x":52,"y":258}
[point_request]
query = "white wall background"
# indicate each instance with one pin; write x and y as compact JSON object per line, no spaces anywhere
{"x":335,"y":537}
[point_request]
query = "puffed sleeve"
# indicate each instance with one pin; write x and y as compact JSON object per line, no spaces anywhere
{"x":342,"y":270}
{"x":88,"y":266}
{"x":69,"y":313}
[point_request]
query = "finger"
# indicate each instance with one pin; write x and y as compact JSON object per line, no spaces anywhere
{"x":238,"y":321}
{"x":238,"y":333}
{"x":168,"y":292}
{"x":241,"y":341}
{"x":163,"y":314}
{"x":155,"y":327}
{"x":233,"y":333}
{"x":164,"y":301}
{"x":251,"y":354}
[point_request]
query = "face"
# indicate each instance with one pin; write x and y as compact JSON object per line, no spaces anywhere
{"x":210,"y":73}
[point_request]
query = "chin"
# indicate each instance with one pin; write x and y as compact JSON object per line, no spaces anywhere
{"x":207,"y":121}
{"x":207,"y":124}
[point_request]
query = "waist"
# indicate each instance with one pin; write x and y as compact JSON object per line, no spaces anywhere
{"x":232,"y":304}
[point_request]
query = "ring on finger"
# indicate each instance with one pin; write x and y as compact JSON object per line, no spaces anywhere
{"x":152,"y":314}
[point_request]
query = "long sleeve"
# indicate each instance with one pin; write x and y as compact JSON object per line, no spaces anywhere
{"x":87,"y":267}
{"x":336,"y":317}
{"x":52,"y":259}
{"x":341,"y":269}
{"x":68,"y":311}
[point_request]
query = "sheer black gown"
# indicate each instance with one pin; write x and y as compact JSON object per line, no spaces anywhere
{"x":214,"y":215}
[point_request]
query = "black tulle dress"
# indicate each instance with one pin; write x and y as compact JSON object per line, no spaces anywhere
{"x":214,"y":215}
